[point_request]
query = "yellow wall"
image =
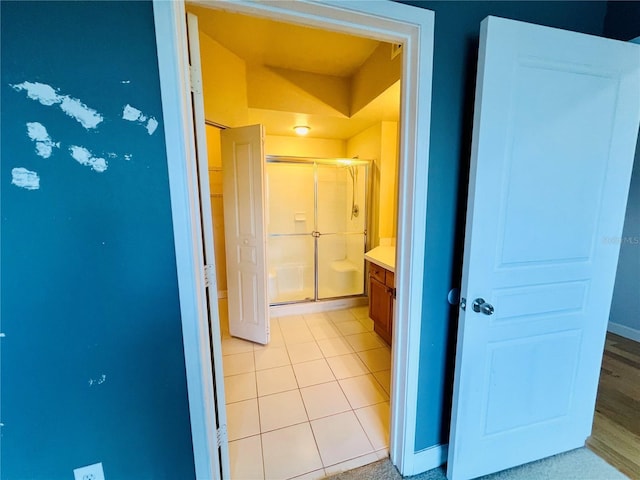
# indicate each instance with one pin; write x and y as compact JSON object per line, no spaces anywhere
{"x":224,"y":84}
{"x":304,"y":146}
{"x":379,"y":143}
{"x":366,"y":145}
{"x":388,"y":180}
{"x":225,"y":102}
{"x":301,"y":92}
{"x":375,"y":75}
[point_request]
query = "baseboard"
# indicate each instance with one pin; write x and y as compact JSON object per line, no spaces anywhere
{"x":624,"y":331}
{"x":428,"y":459}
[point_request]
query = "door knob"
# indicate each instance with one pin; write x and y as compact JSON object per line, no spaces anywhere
{"x":480,"y":306}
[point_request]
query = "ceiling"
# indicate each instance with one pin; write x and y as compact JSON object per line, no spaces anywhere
{"x":385,"y":107}
{"x":284,"y":45}
{"x":266,"y":42}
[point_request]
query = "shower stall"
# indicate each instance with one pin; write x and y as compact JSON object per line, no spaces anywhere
{"x":316,"y":227}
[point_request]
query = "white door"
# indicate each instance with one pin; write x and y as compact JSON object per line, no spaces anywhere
{"x":556,"y":121}
{"x":245,"y":234}
{"x":217,"y":411}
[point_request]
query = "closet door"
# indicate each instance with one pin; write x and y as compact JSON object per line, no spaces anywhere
{"x":245,"y":233}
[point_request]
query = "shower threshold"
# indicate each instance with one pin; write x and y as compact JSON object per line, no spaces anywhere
{"x":298,"y":308}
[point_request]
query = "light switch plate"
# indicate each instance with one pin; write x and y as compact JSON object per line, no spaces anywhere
{"x":90,"y":472}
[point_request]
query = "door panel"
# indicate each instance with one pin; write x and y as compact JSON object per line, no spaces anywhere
{"x":341,"y":217}
{"x":538,"y":169}
{"x":291,"y":221}
{"x":556,"y":120}
{"x":341,"y":198}
{"x":243,"y":181}
{"x":506,"y":362}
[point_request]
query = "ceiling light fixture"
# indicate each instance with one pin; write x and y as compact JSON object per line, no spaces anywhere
{"x":301,"y":130}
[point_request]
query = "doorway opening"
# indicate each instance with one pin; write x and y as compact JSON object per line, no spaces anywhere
{"x":323,"y":375}
{"x":385,"y":22}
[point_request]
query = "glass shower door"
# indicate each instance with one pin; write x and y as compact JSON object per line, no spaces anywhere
{"x":341,"y":212}
{"x":290,"y":223}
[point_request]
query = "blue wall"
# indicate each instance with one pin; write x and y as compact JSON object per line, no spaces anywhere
{"x":457,"y":29}
{"x":87,"y":265}
{"x":623,"y":22}
{"x":92,"y":365}
{"x":625,"y":306}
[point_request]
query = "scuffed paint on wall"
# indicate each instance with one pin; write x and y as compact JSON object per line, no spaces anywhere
{"x":132,"y":114}
{"x":47,"y":95}
{"x":89,"y":118}
{"x":23,"y":178}
{"x":152,"y":124}
{"x":44,"y":145}
{"x":85,"y":157}
{"x":98,"y":381}
{"x":88,"y":261}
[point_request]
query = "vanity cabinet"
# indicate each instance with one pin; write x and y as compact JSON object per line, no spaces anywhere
{"x":382,"y":294}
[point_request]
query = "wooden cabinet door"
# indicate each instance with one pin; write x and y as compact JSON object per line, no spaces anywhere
{"x":380,"y":308}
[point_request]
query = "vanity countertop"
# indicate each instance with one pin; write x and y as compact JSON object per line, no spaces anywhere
{"x":383,"y":256}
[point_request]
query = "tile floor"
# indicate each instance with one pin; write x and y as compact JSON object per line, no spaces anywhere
{"x":312,"y":403}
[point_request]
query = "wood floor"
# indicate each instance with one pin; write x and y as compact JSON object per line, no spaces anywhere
{"x":616,"y":426}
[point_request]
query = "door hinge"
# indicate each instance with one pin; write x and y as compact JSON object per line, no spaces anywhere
{"x":221,"y":435}
{"x":209,"y":276}
{"x":195,"y":82}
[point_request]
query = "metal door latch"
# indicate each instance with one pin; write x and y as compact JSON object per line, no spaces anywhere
{"x":480,"y":306}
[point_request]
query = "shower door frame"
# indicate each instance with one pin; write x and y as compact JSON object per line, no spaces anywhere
{"x":314,"y":162}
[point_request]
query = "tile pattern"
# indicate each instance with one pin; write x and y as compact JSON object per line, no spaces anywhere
{"x":314,"y":402}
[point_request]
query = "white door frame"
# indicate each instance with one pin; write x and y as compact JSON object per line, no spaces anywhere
{"x":386,"y":21}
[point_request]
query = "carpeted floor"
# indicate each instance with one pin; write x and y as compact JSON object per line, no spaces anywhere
{"x":580,"y":464}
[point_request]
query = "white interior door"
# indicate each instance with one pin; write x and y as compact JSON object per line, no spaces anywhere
{"x":217,"y":411}
{"x":245,"y":233}
{"x":556,"y":121}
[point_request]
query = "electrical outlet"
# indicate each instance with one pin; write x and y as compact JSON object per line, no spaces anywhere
{"x":90,"y":472}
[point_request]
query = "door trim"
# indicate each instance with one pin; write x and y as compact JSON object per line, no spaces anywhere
{"x":386,"y":21}
{"x":173,"y":65}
